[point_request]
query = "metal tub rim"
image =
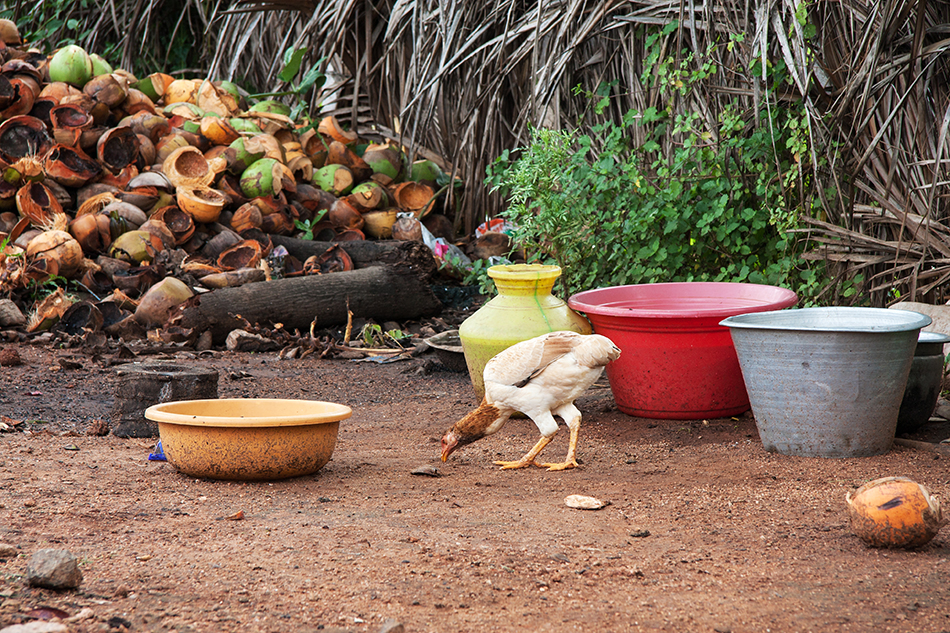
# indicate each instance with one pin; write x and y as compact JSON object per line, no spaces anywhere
{"x":831,"y":319}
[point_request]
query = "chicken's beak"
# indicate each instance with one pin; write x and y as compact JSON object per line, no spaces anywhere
{"x":449,"y":444}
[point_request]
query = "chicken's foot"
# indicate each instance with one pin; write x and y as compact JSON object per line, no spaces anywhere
{"x":571,"y":460}
{"x":528,"y":459}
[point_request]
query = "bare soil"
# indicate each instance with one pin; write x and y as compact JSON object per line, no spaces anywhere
{"x":705,"y":530}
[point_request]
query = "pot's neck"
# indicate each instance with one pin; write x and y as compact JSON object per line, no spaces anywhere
{"x":524,"y":287}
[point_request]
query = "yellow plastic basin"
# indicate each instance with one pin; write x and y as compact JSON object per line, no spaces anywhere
{"x":248,"y":439}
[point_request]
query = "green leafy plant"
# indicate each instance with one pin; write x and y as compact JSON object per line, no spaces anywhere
{"x":372,"y":335}
{"x":54,"y":23}
{"x":686,"y":203}
{"x":38,"y":290}
{"x":306,"y":227}
{"x":477,"y":275}
{"x":313,"y":79}
{"x":397,"y":336}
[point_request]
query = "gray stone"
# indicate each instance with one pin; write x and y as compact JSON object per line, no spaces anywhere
{"x":10,"y":315}
{"x":426,"y":471}
{"x":8,"y":551}
{"x":392,"y":626}
{"x":53,"y":569}
{"x":38,"y":626}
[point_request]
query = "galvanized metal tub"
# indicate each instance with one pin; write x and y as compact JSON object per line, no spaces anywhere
{"x":826,"y":382}
{"x":923,"y":383}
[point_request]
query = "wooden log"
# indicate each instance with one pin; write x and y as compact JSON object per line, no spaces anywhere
{"x":367,"y":252}
{"x":382,"y":293}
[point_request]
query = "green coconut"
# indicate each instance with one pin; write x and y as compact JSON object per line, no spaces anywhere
{"x":230,"y":87}
{"x":243,"y":158}
{"x":191,"y":126}
{"x":71,"y":64}
{"x":153,"y":86}
{"x":336,"y":179}
{"x":370,"y":195}
{"x":258,"y":179}
{"x":184,"y":109}
{"x":425,"y":171}
{"x":384,"y":161}
{"x":271,"y":106}
{"x":100,"y":66}
{"x":245,"y":126}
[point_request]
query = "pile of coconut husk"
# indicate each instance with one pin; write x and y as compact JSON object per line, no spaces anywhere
{"x":153,"y":194}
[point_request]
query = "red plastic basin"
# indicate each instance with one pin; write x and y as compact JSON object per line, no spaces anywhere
{"x":676,"y":361}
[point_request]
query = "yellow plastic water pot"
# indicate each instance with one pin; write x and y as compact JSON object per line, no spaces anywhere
{"x":523,"y":309}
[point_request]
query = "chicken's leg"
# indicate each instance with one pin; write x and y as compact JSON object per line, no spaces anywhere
{"x":573,"y":415}
{"x":528,"y":459}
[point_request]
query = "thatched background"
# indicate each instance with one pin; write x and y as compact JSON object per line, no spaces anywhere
{"x":462,"y":80}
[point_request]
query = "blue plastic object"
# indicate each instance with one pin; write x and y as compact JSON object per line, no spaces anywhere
{"x":158,"y":455}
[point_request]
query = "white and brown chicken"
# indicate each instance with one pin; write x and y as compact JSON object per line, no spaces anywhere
{"x":541,"y":378}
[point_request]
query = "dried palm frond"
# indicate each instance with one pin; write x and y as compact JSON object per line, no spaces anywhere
{"x":463,"y":81}
{"x":141,"y":36}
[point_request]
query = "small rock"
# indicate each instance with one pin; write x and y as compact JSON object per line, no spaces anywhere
{"x":10,"y":357}
{"x":38,"y":626}
{"x":53,"y":569}
{"x":7,"y":551}
{"x":84,"y":614}
{"x":98,"y":428}
{"x":10,"y":314}
{"x":204,"y":342}
{"x":67,"y":363}
{"x":426,"y":471}
{"x":582,"y":502}
{"x":392,"y":625}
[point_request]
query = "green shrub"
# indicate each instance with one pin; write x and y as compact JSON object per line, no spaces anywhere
{"x":685,"y":204}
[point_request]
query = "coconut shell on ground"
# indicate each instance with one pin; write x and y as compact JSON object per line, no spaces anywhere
{"x":160,"y":299}
{"x":894,"y":512}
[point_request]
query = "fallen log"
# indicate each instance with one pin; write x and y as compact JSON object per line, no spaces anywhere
{"x":366,"y":253}
{"x":381,"y":293}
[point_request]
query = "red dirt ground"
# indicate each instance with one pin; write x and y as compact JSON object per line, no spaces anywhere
{"x":705,"y":531}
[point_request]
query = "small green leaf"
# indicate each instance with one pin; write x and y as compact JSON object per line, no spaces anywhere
{"x":292,"y":60}
{"x":312,"y":78}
